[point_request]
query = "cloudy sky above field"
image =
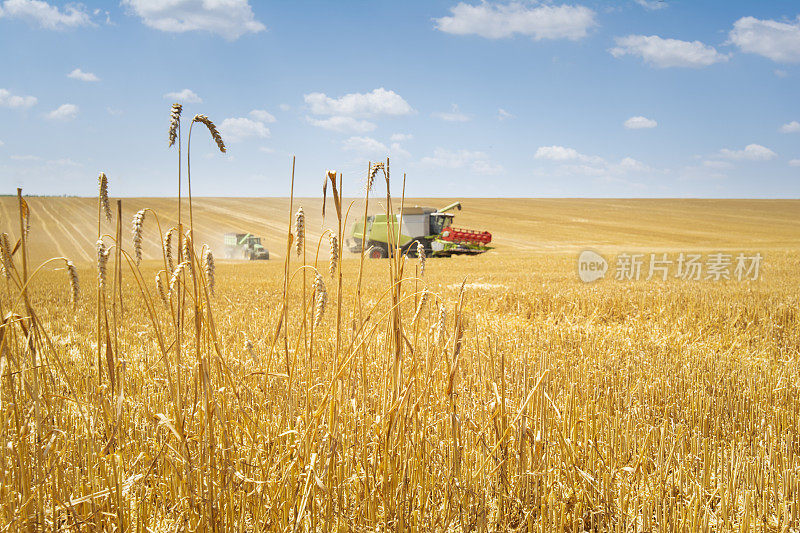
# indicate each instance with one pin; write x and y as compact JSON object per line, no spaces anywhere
{"x":587,"y":98}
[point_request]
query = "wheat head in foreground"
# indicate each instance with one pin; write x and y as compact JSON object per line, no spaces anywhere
{"x":74,"y":287}
{"x":334,"y":254}
{"x":212,"y":129}
{"x":320,"y":301}
{"x":300,"y":229}
{"x":103,"y":193}
{"x":102,"y":262}
{"x":208,"y":264}
{"x":174,"y":122}
{"x":137,"y":225}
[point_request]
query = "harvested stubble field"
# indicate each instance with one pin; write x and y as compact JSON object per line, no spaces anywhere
{"x":540,"y":403}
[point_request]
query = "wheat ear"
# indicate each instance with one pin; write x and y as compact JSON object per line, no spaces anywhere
{"x":300,"y":229}
{"x":137,"y":225}
{"x":103,"y":186}
{"x":162,"y":291}
{"x":168,"y":249}
{"x":102,"y":262}
{"x":320,"y":301}
{"x":334,"y":254}
{"x":212,"y":129}
{"x":174,"y":122}
{"x":208,"y":263}
{"x":5,"y":255}
{"x":75,"y":288}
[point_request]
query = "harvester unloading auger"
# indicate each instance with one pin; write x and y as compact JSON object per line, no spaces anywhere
{"x":433,"y":228}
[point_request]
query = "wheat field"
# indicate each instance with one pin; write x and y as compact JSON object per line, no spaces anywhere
{"x":487,"y":393}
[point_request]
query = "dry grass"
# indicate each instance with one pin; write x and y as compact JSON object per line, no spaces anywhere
{"x":519,"y":400}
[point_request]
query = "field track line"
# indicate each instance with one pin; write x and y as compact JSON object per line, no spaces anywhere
{"x":60,"y":224}
{"x":46,"y":228}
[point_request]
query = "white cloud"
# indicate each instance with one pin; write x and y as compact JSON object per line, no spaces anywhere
{"x":396,"y":150}
{"x":790,"y":127}
{"x":229,"y":18}
{"x":751,"y":152}
{"x":13,"y":101}
{"x":477,"y":162}
{"x":722,"y":165}
{"x":629,"y":164}
{"x":63,"y":112}
{"x":556,"y":153}
{"x":343,"y":124}
{"x":780,"y":73}
{"x":262,"y":116}
{"x":570,"y":162}
{"x":652,"y":5}
{"x":794,"y":163}
{"x":453,"y":116}
{"x":562,"y":153}
{"x":502,"y":114}
{"x":186,"y":96}
{"x":401,"y":137}
{"x":114,"y":112}
{"x":284,"y":107}
{"x":778,"y":41}
{"x":45,"y":15}
{"x":25,"y":158}
{"x":78,"y":74}
{"x":667,"y":52}
{"x":497,"y":21}
{"x":378,"y":102}
{"x":639,"y":123}
{"x":364,"y":145}
{"x":238,"y":129}
{"x":2,"y":143}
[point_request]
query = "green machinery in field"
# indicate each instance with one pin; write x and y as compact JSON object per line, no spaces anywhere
{"x":425,"y":225}
{"x":244,"y":246}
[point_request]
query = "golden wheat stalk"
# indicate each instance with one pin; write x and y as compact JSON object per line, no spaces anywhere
{"x":212,"y":129}
{"x":103,"y":186}
{"x":300,"y":230}
{"x":176,"y":274}
{"x":74,"y":286}
{"x":320,"y":301}
{"x":422,"y":300}
{"x":372,"y":173}
{"x":162,"y":291}
{"x":440,"y":324}
{"x":102,"y":262}
{"x":5,"y":255}
{"x":422,"y":257}
{"x":168,"y":249}
{"x":137,"y":225}
{"x":186,"y":253}
{"x":208,"y":263}
{"x":334,"y":254}
{"x":26,"y":215}
{"x":174,"y":122}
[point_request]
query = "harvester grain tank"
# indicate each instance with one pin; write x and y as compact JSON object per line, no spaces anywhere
{"x":431,"y":227}
{"x":244,"y":246}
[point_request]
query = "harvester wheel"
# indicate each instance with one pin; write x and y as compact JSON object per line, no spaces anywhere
{"x":377,"y":252}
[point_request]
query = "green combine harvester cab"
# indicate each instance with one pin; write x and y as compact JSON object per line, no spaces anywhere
{"x":244,"y":246}
{"x":433,"y":228}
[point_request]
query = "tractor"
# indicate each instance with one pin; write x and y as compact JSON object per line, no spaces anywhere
{"x":430,"y":227}
{"x":244,"y":246}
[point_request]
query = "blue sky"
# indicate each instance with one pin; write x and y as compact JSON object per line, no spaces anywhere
{"x":633,"y":98}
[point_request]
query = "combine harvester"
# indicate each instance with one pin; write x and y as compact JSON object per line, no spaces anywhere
{"x":425,"y":225}
{"x":244,"y":246}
